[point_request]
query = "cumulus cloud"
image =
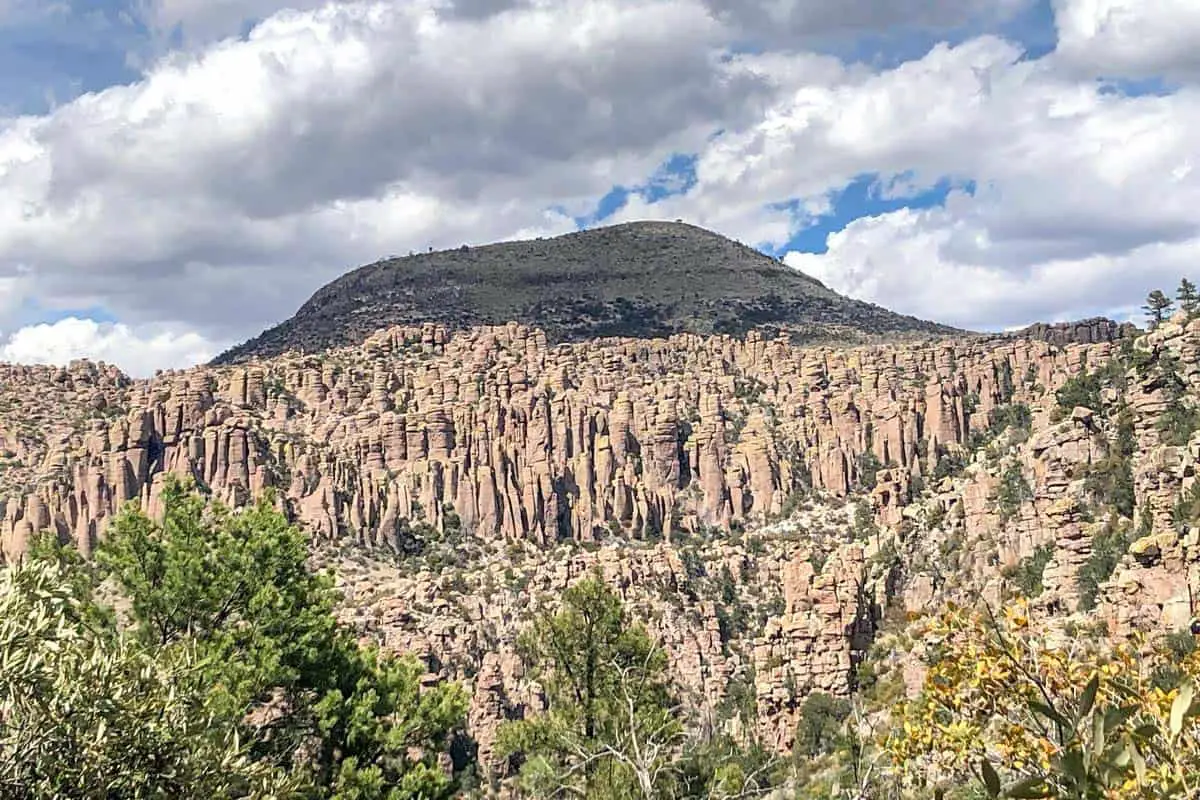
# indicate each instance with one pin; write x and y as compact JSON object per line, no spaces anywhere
{"x":907,"y":259}
{"x":1130,"y":38}
{"x":781,"y":23}
{"x":1083,"y":198}
{"x":258,"y":169}
{"x":788,"y":22}
{"x":139,"y":352}
{"x":242,"y":172}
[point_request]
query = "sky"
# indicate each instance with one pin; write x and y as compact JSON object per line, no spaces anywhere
{"x":177,"y":175}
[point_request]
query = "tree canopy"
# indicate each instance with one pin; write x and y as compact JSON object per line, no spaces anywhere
{"x":612,"y":726}
{"x":222,"y":605}
{"x":1157,"y":308}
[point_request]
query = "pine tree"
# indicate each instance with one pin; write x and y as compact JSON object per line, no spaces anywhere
{"x":607,"y":689}
{"x":1157,"y":308}
{"x":348,"y":720}
{"x":1188,"y":298}
{"x":613,"y":728}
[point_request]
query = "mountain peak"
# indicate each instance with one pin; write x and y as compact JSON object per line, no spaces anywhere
{"x":640,"y":279}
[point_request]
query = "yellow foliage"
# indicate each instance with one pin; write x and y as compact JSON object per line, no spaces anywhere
{"x":1022,"y":715}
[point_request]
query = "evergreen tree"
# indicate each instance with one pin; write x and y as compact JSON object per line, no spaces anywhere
{"x":312,"y":701}
{"x":612,"y":728}
{"x":1189,"y":299}
{"x":89,"y":712}
{"x":1157,"y":308}
{"x":607,"y":695}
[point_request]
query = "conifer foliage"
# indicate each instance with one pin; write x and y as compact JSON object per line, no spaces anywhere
{"x":231,"y":677}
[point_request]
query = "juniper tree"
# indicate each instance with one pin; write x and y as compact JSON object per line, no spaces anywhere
{"x":1157,"y":308}
{"x":1189,"y":299}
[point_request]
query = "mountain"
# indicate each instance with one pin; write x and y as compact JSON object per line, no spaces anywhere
{"x":775,"y":511}
{"x":787,"y":519}
{"x":639,"y":279}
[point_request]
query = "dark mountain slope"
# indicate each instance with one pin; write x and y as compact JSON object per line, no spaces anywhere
{"x":640,"y":279}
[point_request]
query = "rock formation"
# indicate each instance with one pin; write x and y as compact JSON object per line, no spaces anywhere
{"x":765,"y":507}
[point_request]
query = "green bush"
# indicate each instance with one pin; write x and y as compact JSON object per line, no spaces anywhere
{"x":1016,"y":417}
{"x":1109,"y":481}
{"x":949,"y":464}
{"x":1013,"y":491}
{"x":1178,"y":422}
{"x":89,"y":711}
{"x":1027,"y":575}
{"x":868,"y":471}
{"x":1187,"y":508}
{"x":819,"y":731}
{"x":1080,"y":390}
{"x":1108,"y":545}
{"x":233,"y":591}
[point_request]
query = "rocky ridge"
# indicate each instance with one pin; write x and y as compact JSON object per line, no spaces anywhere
{"x":770,"y":509}
{"x":521,"y":439}
{"x":638,"y":279}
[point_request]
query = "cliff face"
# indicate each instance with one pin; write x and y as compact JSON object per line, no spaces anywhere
{"x":522,"y":440}
{"x":768,"y":509}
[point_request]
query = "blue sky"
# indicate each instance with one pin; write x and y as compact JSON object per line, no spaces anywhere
{"x":179,"y":174}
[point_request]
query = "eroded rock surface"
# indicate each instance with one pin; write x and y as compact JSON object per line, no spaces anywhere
{"x":766,"y":508}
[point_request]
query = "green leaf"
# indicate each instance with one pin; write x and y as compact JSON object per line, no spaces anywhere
{"x":1087,"y":699}
{"x":1145,"y":732}
{"x":1181,"y":706}
{"x":1049,"y":713}
{"x":1114,"y":718}
{"x":1072,"y":764}
{"x":990,"y":779}
{"x":1029,"y":789}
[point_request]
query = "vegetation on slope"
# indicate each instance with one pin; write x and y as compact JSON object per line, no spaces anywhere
{"x":1005,"y":712}
{"x":642,"y":279}
{"x":223,"y":672}
{"x":612,"y":727}
{"x":229,"y":676}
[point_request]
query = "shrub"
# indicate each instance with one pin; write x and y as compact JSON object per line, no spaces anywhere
{"x":1178,"y":422}
{"x":1027,"y":575}
{"x":1012,"y":492}
{"x":948,"y":464}
{"x":1108,"y":545}
{"x":868,"y":471}
{"x":820,"y":728}
{"x":1008,"y":714}
{"x":1016,"y":417}
{"x":1080,"y":390}
{"x":87,"y":711}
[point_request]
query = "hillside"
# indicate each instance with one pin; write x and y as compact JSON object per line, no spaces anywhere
{"x":738,"y":488}
{"x":640,"y":279}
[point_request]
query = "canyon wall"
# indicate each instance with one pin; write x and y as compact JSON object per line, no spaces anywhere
{"x":521,"y":440}
{"x":766,"y":508}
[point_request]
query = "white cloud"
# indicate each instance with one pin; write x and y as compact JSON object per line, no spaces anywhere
{"x":217,"y":193}
{"x":789,"y":23}
{"x":253,"y":172}
{"x":906,"y":259}
{"x":1084,"y":199}
{"x":202,"y":22}
{"x":784,"y":23}
{"x":136,"y":351}
{"x":1130,"y":38}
